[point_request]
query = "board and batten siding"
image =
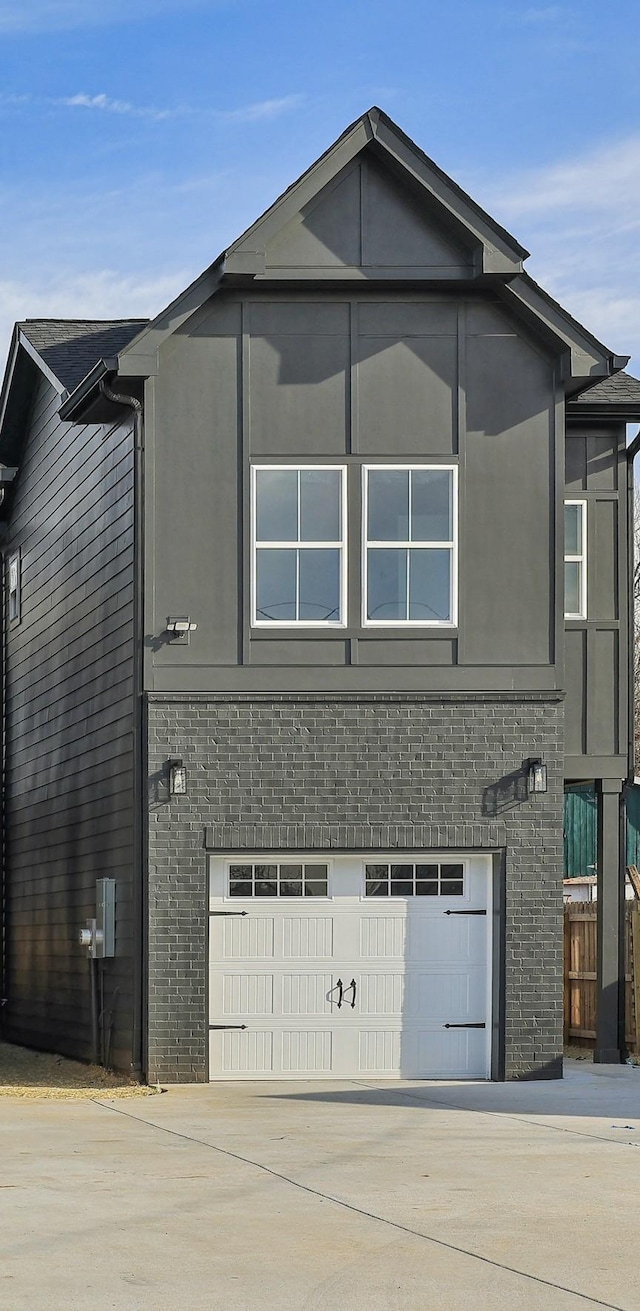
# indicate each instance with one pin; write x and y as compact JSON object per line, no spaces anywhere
{"x":68,"y":727}
{"x":351,"y":379}
{"x":596,"y":647}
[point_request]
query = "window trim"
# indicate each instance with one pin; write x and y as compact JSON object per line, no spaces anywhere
{"x":14,"y":559}
{"x":451,"y":545}
{"x":341,"y":546}
{"x":581,"y":559}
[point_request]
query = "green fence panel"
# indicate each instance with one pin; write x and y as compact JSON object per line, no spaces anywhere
{"x":580,"y":829}
{"x":632,"y":801}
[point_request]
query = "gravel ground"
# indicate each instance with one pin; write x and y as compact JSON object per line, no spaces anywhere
{"x":30,"y":1074}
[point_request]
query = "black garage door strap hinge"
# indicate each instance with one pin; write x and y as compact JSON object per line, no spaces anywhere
{"x":465,"y":912}
{"x":464,"y":1026}
{"x":228,"y":912}
{"x":227,"y":1026}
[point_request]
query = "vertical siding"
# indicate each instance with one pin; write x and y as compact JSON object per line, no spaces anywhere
{"x":596,"y":710}
{"x":68,"y":725}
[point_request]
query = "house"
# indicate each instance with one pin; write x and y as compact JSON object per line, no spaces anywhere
{"x":585,"y":888}
{"x":317,"y":592}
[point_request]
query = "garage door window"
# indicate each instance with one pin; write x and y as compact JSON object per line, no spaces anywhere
{"x":278,"y":880}
{"x":432,"y":880}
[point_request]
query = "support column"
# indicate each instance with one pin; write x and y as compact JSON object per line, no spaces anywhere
{"x":610,"y":966}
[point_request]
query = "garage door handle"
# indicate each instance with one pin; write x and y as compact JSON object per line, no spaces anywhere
{"x":464,"y":1026}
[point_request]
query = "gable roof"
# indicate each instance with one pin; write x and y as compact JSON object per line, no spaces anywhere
{"x":621,"y":389}
{"x":63,"y":351}
{"x":495,"y":251}
{"x":378,"y":133}
{"x":71,"y":347}
{"x":79,"y":353}
{"x":492,"y":253}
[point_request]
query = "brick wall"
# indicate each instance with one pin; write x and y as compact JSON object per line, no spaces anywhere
{"x":370,"y":772}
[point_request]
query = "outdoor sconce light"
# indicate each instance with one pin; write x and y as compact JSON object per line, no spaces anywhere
{"x":180,"y":626}
{"x":537,"y":777}
{"x":177,"y":778}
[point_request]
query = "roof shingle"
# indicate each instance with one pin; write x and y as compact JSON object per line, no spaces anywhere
{"x":71,"y":347}
{"x":621,"y":389}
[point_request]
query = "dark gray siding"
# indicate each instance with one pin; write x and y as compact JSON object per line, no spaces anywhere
{"x":382,"y":377}
{"x":597,"y":719}
{"x":371,"y":223}
{"x":304,"y":773}
{"x":68,"y":718}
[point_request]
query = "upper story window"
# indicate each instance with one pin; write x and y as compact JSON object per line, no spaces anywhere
{"x":410,"y":544}
{"x":575,"y":559}
{"x":13,"y":587}
{"x":298,"y":518}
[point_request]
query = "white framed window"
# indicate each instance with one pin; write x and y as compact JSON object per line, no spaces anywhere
{"x":575,"y":559}
{"x":14,"y":587}
{"x":298,"y":526}
{"x":410,"y":545}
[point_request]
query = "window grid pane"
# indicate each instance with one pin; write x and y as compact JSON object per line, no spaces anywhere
{"x":432,"y":880}
{"x":278,"y":880}
{"x":573,"y":529}
{"x":430,"y":505}
{"x":572,"y":587}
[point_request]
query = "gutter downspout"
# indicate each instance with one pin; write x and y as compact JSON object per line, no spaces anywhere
{"x":632,"y":451}
{"x":138,"y":1063}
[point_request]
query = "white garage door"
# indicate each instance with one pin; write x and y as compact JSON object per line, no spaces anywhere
{"x":353,"y":966}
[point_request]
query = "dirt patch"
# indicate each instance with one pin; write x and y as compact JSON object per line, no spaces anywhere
{"x":576,"y":1053}
{"x":31,"y":1074}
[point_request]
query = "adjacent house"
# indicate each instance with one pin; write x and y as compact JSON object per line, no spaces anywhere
{"x":316,"y":594}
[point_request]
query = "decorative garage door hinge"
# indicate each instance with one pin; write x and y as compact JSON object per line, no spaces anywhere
{"x":227,"y":1026}
{"x":465,"y":912}
{"x":228,"y":912}
{"x":464,"y":1026}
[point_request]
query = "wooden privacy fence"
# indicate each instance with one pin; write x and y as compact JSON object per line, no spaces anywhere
{"x":580,"y":962}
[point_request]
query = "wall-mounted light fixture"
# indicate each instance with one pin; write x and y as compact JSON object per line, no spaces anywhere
{"x":177,"y":778}
{"x":179,"y":628}
{"x":537,"y":777}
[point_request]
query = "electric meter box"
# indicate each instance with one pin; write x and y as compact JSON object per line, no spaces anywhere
{"x":105,"y":941}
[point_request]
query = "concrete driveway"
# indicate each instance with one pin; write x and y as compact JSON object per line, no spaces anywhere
{"x":327,"y":1197}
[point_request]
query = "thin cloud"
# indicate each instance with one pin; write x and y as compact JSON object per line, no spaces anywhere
{"x":580,"y":217}
{"x":257,"y":112}
{"x":33,"y":16}
{"x":606,"y":178}
{"x":537,"y":16}
{"x":543,"y":14}
{"x":101,"y":294}
{"x":263,"y":109}
{"x":110,"y":106}
{"x":14,"y":100}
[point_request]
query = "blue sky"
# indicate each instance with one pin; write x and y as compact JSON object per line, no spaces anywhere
{"x":138,"y":138}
